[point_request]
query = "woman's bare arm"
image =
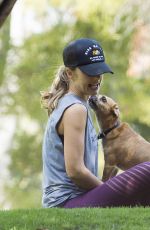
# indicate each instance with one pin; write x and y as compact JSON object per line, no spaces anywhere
{"x":74,"y":122}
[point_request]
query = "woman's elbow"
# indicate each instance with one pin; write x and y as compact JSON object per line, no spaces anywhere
{"x":75,"y":173}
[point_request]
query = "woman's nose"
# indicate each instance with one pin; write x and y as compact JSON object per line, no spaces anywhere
{"x":96,"y":78}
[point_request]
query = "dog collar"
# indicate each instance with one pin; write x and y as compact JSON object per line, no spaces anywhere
{"x":105,"y":132}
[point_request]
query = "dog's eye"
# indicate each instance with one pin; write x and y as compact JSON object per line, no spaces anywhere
{"x":103,"y":98}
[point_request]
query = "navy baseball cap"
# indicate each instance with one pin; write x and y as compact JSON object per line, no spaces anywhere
{"x":87,"y":55}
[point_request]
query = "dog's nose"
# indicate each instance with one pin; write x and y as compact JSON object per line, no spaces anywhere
{"x":92,"y":102}
{"x":93,"y":98}
{"x":103,"y":99}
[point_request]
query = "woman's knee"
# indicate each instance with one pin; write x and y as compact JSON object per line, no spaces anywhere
{"x":143,"y":170}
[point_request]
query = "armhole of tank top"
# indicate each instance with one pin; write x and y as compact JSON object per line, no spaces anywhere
{"x":59,"y":120}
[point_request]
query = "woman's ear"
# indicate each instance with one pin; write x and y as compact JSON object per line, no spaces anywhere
{"x":69,"y":73}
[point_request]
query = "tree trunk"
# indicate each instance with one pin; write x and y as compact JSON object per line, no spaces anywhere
{"x":5,"y":9}
{"x":4,"y":48}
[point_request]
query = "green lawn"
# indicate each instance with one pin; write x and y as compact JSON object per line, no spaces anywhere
{"x":76,"y":219}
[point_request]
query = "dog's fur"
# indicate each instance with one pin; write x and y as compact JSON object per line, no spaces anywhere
{"x":123,"y":147}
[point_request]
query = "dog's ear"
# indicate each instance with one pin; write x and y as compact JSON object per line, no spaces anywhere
{"x":116,"y":111}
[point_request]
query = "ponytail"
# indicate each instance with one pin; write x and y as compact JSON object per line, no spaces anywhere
{"x":59,"y":87}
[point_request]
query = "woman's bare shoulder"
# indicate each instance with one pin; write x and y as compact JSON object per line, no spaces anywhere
{"x":76,"y":110}
{"x":76,"y":115}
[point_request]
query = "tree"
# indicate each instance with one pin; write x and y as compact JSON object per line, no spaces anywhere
{"x":5,"y":9}
{"x":4,"y":48}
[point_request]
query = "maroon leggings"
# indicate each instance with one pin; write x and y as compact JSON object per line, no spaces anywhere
{"x":130,"y":188}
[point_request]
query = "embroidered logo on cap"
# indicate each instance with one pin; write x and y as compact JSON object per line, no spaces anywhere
{"x":95,"y":52}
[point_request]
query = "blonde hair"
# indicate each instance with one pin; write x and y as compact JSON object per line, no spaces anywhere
{"x":60,"y":86}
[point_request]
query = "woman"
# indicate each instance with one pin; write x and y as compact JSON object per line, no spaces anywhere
{"x":70,"y":147}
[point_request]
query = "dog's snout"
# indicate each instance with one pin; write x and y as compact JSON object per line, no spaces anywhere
{"x":103,"y":99}
{"x":93,"y":98}
{"x":93,"y":101}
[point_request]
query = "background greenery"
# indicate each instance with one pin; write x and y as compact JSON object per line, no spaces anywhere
{"x":28,"y":69}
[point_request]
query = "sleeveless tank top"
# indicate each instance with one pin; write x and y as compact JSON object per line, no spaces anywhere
{"x":57,"y":186}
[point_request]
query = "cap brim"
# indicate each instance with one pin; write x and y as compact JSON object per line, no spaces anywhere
{"x":95,"y":69}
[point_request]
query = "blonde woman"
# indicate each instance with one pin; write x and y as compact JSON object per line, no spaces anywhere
{"x":70,"y":146}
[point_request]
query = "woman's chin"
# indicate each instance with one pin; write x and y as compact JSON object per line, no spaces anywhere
{"x":93,"y":92}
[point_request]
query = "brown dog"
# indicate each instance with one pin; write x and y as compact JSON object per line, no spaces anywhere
{"x":123,"y":147}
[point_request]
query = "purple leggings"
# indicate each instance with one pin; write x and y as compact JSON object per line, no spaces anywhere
{"x":130,"y":188}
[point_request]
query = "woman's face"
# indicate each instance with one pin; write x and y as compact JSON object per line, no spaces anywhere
{"x":84,"y":85}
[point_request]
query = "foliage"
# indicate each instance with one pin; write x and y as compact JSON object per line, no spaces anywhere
{"x":40,"y":57}
{"x":25,"y":167}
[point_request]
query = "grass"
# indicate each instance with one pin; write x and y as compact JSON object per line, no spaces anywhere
{"x":76,"y":219}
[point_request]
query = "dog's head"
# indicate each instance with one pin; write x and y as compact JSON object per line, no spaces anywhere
{"x":105,"y":108}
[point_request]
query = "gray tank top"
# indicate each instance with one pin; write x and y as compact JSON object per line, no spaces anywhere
{"x":57,"y":186}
